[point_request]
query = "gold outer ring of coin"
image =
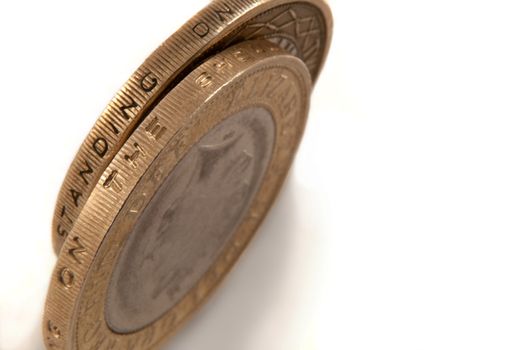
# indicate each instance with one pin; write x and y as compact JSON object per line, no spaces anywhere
{"x":249,"y":75}
{"x":302,"y":27}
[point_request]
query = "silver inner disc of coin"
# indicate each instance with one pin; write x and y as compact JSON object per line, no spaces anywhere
{"x":189,"y":220}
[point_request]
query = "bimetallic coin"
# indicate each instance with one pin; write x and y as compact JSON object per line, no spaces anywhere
{"x":189,"y":219}
{"x":302,"y":27}
{"x":179,"y":202}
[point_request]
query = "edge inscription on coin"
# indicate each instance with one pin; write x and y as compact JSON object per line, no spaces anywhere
{"x":74,"y":313}
{"x":300,"y":27}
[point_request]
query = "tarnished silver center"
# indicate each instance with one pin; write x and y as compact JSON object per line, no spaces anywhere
{"x":189,"y":219}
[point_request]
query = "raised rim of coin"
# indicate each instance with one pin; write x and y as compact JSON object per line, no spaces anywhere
{"x":302,"y":27}
{"x":246,"y":75}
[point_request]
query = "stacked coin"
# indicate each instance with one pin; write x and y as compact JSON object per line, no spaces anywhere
{"x":179,"y":170}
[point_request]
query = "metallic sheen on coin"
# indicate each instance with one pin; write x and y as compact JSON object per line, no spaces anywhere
{"x":189,"y":220}
{"x":301,"y":27}
{"x":179,"y":201}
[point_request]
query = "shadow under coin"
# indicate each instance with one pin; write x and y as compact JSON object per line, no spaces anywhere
{"x":239,"y":305}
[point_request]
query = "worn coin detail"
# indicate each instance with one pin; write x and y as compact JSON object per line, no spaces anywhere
{"x":189,"y":219}
{"x":301,"y":27}
{"x":179,"y":201}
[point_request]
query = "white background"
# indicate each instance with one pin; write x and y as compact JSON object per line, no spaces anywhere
{"x":403,"y":224}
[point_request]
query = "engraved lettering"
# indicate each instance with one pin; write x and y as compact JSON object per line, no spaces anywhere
{"x":54,"y":330}
{"x":54,"y":335}
{"x":204,"y":80}
{"x":113,"y":182}
{"x":66,"y":277}
{"x":221,"y":13}
{"x":77,"y":251}
{"x":259,"y":49}
{"x":127,"y":106}
{"x":222,"y":64}
{"x":201,"y":29}
{"x":155,"y":130}
{"x":100,"y":146}
{"x":114,"y":128}
{"x":242,"y":55}
{"x":83,"y":173}
{"x":149,"y":82}
{"x":64,"y":214}
{"x":75,"y":195}
{"x":61,"y":232}
{"x":132,"y":159}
